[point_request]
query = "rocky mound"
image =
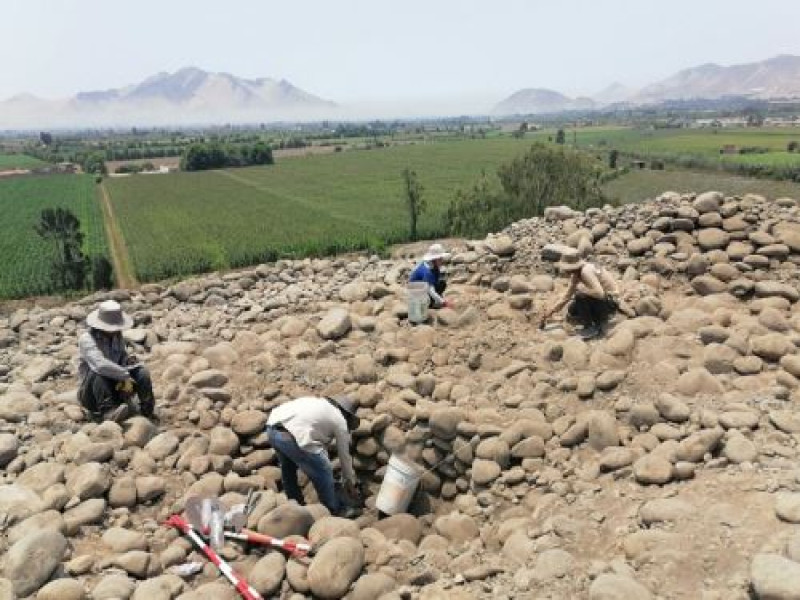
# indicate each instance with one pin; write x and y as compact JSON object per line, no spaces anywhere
{"x":656,"y":462}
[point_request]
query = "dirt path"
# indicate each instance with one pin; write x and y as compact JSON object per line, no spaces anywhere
{"x":123,"y":267}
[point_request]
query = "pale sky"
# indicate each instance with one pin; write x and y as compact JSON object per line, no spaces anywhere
{"x":360,"y":51}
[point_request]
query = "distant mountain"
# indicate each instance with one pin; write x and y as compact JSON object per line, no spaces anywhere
{"x":616,"y":92}
{"x":188,"y":96}
{"x":540,"y":101}
{"x":777,"y":77}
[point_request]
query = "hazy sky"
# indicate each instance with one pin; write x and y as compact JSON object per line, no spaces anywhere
{"x":463,"y":51}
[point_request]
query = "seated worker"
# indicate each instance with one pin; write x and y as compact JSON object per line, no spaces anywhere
{"x":108,"y":376}
{"x":300,"y":431}
{"x":592,"y":295}
{"x":429,"y":271}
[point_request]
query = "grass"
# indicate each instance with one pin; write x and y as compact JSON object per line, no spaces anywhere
{"x":24,"y":257}
{"x":703,"y":143}
{"x":19,"y":161}
{"x":639,"y":185}
{"x":192,"y":222}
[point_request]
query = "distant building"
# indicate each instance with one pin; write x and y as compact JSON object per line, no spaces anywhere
{"x":638,"y":164}
{"x":729,"y":149}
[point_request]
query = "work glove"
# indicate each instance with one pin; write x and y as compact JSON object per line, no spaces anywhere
{"x":125,"y":387}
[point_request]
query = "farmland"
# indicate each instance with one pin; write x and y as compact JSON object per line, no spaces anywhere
{"x":19,"y":161}
{"x":704,"y":144}
{"x":640,"y":185}
{"x":191,"y":222}
{"x":24,"y":257}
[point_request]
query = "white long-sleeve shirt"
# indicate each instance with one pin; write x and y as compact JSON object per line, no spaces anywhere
{"x":314,"y":423}
{"x":105,"y":358}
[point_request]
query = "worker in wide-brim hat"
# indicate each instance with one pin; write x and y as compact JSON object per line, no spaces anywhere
{"x":109,"y":377}
{"x":300,"y":431}
{"x":592,"y":294}
{"x":429,"y":270}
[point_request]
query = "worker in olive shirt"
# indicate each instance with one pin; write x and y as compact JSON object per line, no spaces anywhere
{"x":300,"y":431}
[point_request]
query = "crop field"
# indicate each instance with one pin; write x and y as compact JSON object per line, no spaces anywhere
{"x":24,"y":256}
{"x":704,"y":143}
{"x":191,"y":222}
{"x":639,"y":185}
{"x":19,"y":161}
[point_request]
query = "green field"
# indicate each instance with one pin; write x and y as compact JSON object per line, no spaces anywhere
{"x":704,"y":143}
{"x":639,"y":185}
{"x":190,"y":222}
{"x":19,"y":161}
{"x":24,"y":256}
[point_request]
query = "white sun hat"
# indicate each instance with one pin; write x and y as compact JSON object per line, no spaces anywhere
{"x":109,"y":317}
{"x":434,"y":252}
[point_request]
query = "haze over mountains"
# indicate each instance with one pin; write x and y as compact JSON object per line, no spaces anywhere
{"x":777,"y":77}
{"x":194,"y":96}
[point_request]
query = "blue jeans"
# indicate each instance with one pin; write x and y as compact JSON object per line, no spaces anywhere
{"x":316,"y":466}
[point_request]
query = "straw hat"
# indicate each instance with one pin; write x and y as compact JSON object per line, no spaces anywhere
{"x":349,"y":406}
{"x":435,"y":252}
{"x":570,"y":262}
{"x":109,"y":317}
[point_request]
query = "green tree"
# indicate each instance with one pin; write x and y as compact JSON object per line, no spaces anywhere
{"x":63,"y":229}
{"x":544,"y":176}
{"x":560,"y":137}
{"x":613,"y":156}
{"x":102,"y":273}
{"x":792,"y":146}
{"x":95,"y":163}
{"x":412,"y":192}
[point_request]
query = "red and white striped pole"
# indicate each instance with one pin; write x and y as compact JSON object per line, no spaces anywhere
{"x":247,"y":592}
{"x":296,"y":549}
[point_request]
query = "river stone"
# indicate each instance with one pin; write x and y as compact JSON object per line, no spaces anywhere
{"x":63,"y":589}
{"x":335,"y":324}
{"x":698,"y":444}
{"x":485,"y":472}
{"x":285,"y":520}
{"x":456,"y":527}
{"x":553,"y":564}
{"x":400,"y":527}
{"x":119,"y":540}
{"x":15,"y":406}
{"x":163,"y":587}
{"x":787,"y":506}
{"x":209,"y":378}
{"x":372,"y":585}
{"x":335,"y":567}
{"x":90,"y":480}
{"x":42,"y":476}
{"x":31,"y":561}
{"x":249,"y":422}
{"x":223,"y":442}
{"x":774,"y":577}
{"x":114,"y":587}
{"x":663,"y":510}
{"x":162,"y":445}
{"x":49,"y":519}
{"x":267,"y":574}
{"x":617,"y":587}
{"x":652,"y":469}
{"x":708,"y":202}
{"x":327,"y":528}
{"x":8,"y":448}
{"x":772,"y":346}
{"x":18,"y":503}
{"x":738,"y":449}
{"x":602,"y":430}
{"x":444,"y":422}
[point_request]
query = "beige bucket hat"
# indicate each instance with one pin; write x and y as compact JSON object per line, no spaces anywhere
{"x":108,"y":316}
{"x":436,"y":251}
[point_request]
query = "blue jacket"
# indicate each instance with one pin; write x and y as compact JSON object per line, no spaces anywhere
{"x":424,"y":272}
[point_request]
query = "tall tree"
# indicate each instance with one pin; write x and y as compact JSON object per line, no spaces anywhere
{"x":412,"y":191}
{"x":63,"y":229}
{"x":560,"y":137}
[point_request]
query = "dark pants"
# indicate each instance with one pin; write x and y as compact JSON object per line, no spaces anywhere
{"x":98,"y":394}
{"x":591,"y":312}
{"x":440,"y":287}
{"x":316,"y":466}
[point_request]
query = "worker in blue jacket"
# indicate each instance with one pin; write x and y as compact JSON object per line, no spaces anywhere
{"x":429,"y":271}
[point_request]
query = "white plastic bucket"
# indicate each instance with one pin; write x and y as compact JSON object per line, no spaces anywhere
{"x":398,"y":486}
{"x":418,"y":301}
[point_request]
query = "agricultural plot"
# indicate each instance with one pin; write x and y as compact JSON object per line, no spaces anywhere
{"x":703,"y":143}
{"x":19,"y":161}
{"x":192,"y":222}
{"x":637,"y":186}
{"x":24,"y":257}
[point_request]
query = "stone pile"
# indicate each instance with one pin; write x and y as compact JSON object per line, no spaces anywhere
{"x":656,"y":462}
